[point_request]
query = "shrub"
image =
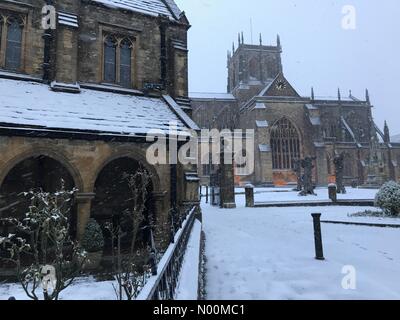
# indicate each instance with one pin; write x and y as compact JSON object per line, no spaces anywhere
{"x":93,"y":239}
{"x":388,"y":198}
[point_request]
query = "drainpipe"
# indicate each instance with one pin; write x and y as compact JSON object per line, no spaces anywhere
{"x":48,"y":37}
{"x":163,"y":49}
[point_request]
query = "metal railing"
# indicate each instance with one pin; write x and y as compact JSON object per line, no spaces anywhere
{"x":166,"y":282}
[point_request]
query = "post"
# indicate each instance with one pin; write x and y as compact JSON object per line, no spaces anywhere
{"x":206,"y":194}
{"x":332,"y":190}
{"x":319,"y":252}
{"x":249,"y":191}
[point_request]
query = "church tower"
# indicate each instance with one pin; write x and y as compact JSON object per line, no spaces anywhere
{"x":251,"y":67}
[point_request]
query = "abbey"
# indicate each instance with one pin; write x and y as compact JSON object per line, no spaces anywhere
{"x":289,"y":126}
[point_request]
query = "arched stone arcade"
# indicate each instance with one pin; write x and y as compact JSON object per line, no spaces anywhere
{"x":80,"y":166}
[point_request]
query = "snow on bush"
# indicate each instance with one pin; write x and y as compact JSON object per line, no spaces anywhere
{"x":388,"y":198}
{"x":93,"y":239}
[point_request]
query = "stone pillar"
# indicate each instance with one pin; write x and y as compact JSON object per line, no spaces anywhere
{"x":226,"y":177}
{"x":162,"y":223}
{"x":84,"y":205}
{"x":332,"y":189}
{"x":249,"y":191}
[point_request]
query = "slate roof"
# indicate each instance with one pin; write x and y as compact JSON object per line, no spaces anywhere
{"x":34,"y":105}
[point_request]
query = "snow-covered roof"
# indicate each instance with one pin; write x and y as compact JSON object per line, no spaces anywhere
{"x":264,"y":148}
{"x":68,"y":19}
{"x":36,"y":106}
{"x":315,"y":121}
{"x":211,"y":96}
{"x":149,"y":7}
{"x":262,"y":123}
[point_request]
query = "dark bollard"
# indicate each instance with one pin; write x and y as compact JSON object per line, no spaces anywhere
{"x":153,"y":263}
{"x":249,"y":191}
{"x":12,"y":298}
{"x":206,"y":194}
{"x":332,"y":190}
{"x":319,"y":252}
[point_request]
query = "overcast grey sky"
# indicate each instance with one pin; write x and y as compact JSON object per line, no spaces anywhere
{"x":317,"y":51}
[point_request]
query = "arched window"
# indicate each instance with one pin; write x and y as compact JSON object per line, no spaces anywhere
{"x":110,"y":55}
{"x":253,"y":69}
{"x":329,"y":164}
{"x":125,"y":64}
{"x":1,"y":30}
{"x":14,"y":44}
{"x":285,"y":144}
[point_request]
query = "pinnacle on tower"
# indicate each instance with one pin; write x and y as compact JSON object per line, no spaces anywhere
{"x":386,"y":136}
{"x":367,"y":96}
{"x":278,"y":40}
{"x":312,"y":93}
{"x":261,"y":41}
{"x":339,"y":94}
{"x":238,"y":39}
{"x":242,"y":38}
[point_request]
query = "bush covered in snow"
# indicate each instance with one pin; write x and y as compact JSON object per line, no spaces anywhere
{"x":93,"y":239}
{"x":388,"y":198}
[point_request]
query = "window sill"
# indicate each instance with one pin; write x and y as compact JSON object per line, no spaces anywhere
{"x":109,"y":87}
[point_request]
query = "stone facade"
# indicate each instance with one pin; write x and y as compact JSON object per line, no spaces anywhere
{"x":289,"y":126}
{"x":75,"y":54}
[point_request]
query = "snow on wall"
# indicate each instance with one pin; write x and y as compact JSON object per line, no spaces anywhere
{"x":34,"y":105}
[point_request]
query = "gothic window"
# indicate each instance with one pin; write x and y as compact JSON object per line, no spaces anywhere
{"x":285,"y":144}
{"x":329,"y":165}
{"x":14,"y":45}
{"x":118,"y":60}
{"x":110,"y":57}
{"x":125,"y":64}
{"x":253,"y":68}
{"x":1,"y":29}
{"x":11,"y":41}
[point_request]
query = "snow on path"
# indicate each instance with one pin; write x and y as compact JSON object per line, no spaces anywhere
{"x":268,"y":253}
{"x":278,"y":194}
{"x":189,"y":278}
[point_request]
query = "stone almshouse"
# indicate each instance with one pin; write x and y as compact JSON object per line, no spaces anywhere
{"x":290,"y":127}
{"x":76,"y":103}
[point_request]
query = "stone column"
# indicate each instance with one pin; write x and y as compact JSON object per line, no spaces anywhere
{"x":162,"y":224}
{"x":84,"y":205}
{"x":249,"y":192}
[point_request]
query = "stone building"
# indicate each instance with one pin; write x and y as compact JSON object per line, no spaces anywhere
{"x":77,"y":102}
{"x":289,"y":126}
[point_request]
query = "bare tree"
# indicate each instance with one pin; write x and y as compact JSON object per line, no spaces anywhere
{"x":131,"y":268}
{"x":41,"y":239}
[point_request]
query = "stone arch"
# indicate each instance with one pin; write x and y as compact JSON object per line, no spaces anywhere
{"x":37,"y":152}
{"x":113,"y":197}
{"x":34,"y":171}
{"x":134,"y":155}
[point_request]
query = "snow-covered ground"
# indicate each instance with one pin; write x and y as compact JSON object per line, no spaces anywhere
{"x":285,"y":194}
{"x":81,"y":289}
{"x":87,"y":288}
{"x":189,"y":278}
{"x":268,"y":253}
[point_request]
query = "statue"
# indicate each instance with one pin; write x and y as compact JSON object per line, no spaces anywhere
{"x":339,"y":169}
{"x":308,"y":187}
{"x":297,"y":171}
